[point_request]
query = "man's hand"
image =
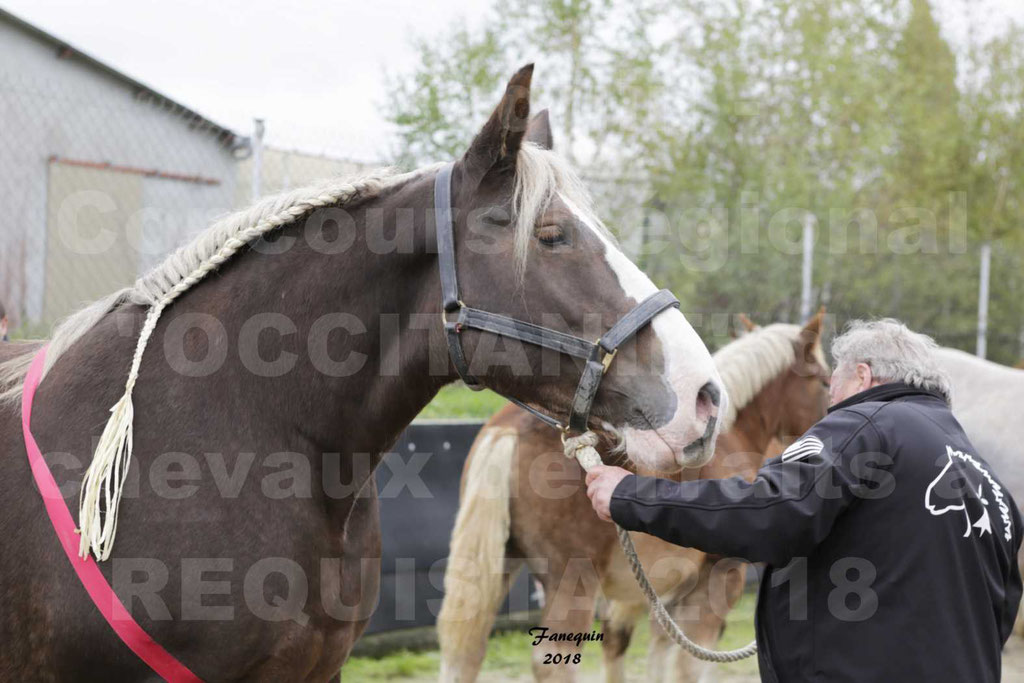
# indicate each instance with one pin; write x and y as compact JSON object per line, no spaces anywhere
{"x":601,"y":482}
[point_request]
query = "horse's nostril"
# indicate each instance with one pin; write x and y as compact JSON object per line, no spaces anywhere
{"x":712,"y":392}
{"x":708,"y":399}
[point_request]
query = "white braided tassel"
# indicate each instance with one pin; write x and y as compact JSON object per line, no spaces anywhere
{"x":104,"y":482}
{"x":583,"y":448}
{"x":103,"y":485}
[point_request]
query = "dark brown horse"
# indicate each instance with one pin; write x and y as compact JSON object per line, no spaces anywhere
{"x":524,"y":503}
{"x":248,"y":542}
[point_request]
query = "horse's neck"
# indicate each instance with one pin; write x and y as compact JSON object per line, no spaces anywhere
{"x":742,"y":449}
{"x":364,"y":326}
{"x":761,"y":420}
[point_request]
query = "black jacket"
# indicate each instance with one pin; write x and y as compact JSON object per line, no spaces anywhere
{"x":890,"y":544}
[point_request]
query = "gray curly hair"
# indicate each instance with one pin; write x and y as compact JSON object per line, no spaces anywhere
{"x":894,"y":352}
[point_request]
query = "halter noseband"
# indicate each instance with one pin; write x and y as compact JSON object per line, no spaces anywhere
{"x":598,"y":355}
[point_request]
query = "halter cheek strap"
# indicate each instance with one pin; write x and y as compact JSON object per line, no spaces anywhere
{"x":457,"y":317}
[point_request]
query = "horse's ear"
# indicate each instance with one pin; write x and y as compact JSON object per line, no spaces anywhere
{"x":816,"y":323}
{"x":810,"y":335}
{"x":497,"y":143}
{"x":539,"y":131}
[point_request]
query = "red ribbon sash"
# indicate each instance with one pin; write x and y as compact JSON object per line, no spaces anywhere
{"x":126,"y":628}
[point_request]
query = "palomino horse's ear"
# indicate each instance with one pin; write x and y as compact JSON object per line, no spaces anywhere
{"x":497,"y":143}
{"x":539,"y":131}
{"x":748,"y":324}
{"x":816,"y":323}
{"x":810,"y":335}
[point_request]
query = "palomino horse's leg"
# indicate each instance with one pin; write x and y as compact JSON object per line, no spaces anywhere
{"x":464,"y":666}
{"x":701,"y":613}
{"x":659,"y":649}
{"x":570,"y":599}
{"x":617,"y":628}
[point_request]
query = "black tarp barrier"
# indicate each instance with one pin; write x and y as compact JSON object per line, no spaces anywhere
{"x":418,"y":483}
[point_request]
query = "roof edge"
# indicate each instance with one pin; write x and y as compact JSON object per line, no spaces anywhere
{"x":66,"y":50}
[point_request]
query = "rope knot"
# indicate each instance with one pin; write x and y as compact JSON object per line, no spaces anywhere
{"x":583,"y":448}
{"x":574,"y":443}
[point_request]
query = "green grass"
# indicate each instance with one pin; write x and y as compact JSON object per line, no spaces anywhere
{"x":30,"y":331}
{"x":738,"y":632}
{"x":456,"y":401}
{"x":400,"y":665}
{"x":509,"y":653}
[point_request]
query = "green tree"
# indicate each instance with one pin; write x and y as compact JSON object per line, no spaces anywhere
{"x":438,"y":107}
{"x":718,"y":137}
{"x":993,"y":93}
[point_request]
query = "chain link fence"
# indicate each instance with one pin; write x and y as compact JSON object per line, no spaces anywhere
{"x":101,"y":177}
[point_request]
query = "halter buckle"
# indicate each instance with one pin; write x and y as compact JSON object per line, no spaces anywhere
{"x":607,"y":360}
{"x":444,"y":314}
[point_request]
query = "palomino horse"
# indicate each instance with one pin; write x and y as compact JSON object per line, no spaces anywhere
{"x":523,"y":502}
{"x":332,"y":295}
{"x":986,"y":402}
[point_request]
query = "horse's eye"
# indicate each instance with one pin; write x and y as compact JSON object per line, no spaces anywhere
{"x":496,"y":217}
{"x":551,"y":235}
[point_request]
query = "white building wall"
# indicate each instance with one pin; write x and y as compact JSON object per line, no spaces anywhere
{"x":68,"y":108}
{"x":285,"y":169}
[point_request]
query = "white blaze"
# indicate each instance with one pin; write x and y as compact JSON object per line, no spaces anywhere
{"x":688,"y":365}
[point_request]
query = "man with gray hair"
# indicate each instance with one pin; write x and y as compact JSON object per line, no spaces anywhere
{"x":882,"y":352}
{"x":890,"y":545}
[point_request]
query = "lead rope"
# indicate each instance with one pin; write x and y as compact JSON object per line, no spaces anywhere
{"x":582,"y":448}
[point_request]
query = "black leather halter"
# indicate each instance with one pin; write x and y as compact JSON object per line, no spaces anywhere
{"x":598,"y":355}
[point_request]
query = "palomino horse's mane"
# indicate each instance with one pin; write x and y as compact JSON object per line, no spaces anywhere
{"x":540,"y":175}
{"x":749,"y":363}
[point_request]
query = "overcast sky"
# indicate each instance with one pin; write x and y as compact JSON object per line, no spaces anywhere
{"x":313,"y":70}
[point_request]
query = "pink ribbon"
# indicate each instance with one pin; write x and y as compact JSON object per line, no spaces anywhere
{"x":126,"y":628}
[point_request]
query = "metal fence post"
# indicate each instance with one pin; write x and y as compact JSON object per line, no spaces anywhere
{"x":257,"y":157}
{"x":983,"y":279}
{"x":808,"y":266}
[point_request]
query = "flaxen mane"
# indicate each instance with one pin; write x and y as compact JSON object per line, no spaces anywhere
{"x":749,"y":363}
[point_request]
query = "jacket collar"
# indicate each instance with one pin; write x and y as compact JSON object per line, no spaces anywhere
{"x":890,"y":391}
